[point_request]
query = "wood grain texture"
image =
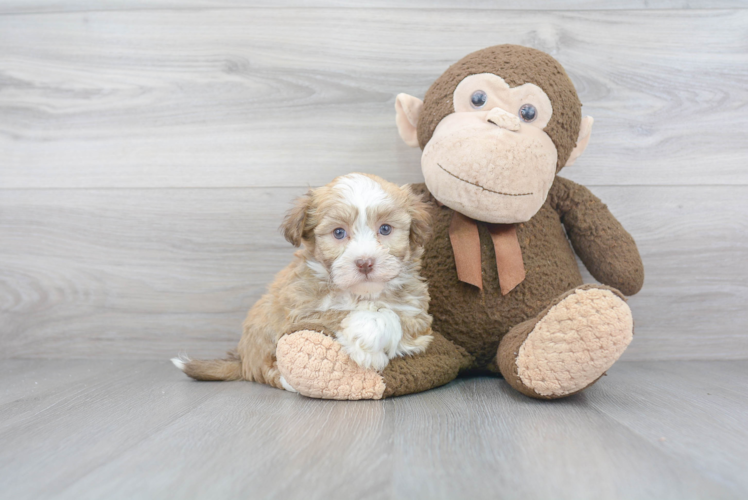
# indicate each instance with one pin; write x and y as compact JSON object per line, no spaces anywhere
{"x":148,"y":265}
{"x":65,"y":431}
{"x":716,"y":406}
{"x":148,"y":152}
{"x":285,"y":97}
{"x":46,"y":6}
{"x":666,"y":430}
{"x":147,"y":273}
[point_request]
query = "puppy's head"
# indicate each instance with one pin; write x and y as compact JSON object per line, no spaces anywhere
{"x":360,"y":231}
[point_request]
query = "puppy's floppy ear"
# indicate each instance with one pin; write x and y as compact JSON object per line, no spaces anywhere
{"x":295,"y":221}
{"x":420,"y":213}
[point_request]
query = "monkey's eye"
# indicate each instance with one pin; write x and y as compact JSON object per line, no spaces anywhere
{"x":339,"y":233}
{"x":478,"y":99}
{"x":528,"y":112}
{"x":385,"y":229}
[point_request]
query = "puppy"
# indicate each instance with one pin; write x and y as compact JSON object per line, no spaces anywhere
{"x":356,"y":277}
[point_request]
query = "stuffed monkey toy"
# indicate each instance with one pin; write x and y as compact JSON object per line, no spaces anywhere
{"x":506,"y":293}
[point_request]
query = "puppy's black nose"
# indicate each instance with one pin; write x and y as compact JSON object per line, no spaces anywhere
{"x":365,"y":265}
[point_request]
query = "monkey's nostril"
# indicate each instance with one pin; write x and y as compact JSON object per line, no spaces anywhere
{"x":365,"y":265}
{"x":506,"y":124}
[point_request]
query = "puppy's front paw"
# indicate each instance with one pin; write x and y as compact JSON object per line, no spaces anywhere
{"x":377,"y":360}
{"x":371,"y":338}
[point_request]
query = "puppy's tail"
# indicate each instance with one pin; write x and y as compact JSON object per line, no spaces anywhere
{"x":229,"y":368}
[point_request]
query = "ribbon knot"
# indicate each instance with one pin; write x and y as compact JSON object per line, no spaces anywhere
{"x":463,"y":234}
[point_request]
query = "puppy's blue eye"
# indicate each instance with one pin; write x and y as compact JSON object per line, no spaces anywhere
{"x":478,"y":99}
{"x":528,"y":112}
{"x":339,"y":233}
{"x":385,"y":229}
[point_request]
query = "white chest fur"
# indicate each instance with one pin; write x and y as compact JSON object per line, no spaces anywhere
{"x":371,"y":336}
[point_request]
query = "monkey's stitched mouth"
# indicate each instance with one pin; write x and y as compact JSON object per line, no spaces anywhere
{"x":483,"y":188}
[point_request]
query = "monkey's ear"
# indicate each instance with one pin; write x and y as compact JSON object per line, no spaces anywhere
{"x":293,"y":225}
{"x":408,"y":109}
{"x":585,"y":129}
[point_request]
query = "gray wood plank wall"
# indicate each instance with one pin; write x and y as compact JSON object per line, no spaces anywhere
{"x":148,"y":151}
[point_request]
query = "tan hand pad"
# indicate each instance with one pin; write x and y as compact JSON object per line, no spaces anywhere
{"x":314,"y":364}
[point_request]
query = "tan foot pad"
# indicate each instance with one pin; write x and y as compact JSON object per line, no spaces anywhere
{"x":575,"y":342}
{"x":314,"y":365}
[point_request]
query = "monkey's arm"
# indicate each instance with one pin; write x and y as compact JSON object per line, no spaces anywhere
{"x":606,"y":249}
{"x":316,"y":366}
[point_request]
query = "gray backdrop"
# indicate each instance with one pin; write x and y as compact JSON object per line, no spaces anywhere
{"x":149,"y":150}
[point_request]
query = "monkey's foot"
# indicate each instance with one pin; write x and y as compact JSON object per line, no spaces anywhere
{"x":315,"y":365}
{"x":570,"y":345}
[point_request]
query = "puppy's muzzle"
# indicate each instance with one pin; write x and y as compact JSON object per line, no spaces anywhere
{"x":365,"y":266}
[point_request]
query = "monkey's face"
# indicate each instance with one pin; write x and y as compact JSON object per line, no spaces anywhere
{"x":491,"y":159}
{"x":492,"y":145}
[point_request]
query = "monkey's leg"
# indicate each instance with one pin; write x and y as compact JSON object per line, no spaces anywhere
{"x":569,"y":346}
{"x":314,"y":364}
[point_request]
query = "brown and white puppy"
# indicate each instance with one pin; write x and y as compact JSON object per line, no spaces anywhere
{"x":356,"y":277}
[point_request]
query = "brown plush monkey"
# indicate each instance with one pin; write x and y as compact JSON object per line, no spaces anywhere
{"x":506,"y":294}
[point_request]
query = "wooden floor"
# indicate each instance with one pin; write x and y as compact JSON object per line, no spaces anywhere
{"x":140,"y":429}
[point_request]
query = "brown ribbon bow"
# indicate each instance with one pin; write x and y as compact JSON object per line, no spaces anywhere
{"x":463,"y":234}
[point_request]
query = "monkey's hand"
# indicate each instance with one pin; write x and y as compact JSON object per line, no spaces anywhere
{"x":606,"y":249}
